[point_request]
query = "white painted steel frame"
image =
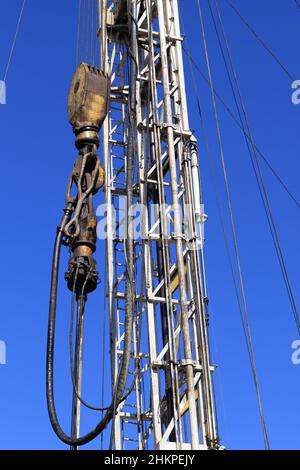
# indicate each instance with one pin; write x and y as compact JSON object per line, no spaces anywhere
{"x":166,"y":163}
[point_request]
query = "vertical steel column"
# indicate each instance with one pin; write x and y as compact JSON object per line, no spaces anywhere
{"x":104,"y":63}
{"x":76,"y":405}
{"x":178,"y":231}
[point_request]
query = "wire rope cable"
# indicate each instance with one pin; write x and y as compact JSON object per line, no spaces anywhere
{"x":258,"y":173}
{"x":87,"y":31}
{"x":78,"y":32}
{"x":218,"y":203}
{"x":232,"y":223}
{"x":297,"y":3}
{"x":237,"y":122}
{"x":260,"y":40}
{"x":14,"y":40}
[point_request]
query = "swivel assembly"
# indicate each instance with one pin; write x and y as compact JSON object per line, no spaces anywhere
{"x":80,"y":231}
{"x":87,"y":108}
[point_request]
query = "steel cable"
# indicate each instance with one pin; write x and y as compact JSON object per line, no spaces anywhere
{"x":232,"y":223}
{"x":261,"y":41}
{"x":14,"y":40}
{"x":257,"y":170}
{"x":297,"y":3}
{"x":218,"y":202}
{"x":235,"y":119}
{"x":78,"y":32}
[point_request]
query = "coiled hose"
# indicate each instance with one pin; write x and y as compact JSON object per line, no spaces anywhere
{"x":123,"y":371}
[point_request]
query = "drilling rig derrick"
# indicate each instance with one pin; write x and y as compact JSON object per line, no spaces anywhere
{"x":155,"y":292}
{"x":150,"y":157}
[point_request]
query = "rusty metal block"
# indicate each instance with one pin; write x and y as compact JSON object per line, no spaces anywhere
{"x":88,"y":98}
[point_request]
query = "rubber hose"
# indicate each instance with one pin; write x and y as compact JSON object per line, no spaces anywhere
{"x":122,"y":378}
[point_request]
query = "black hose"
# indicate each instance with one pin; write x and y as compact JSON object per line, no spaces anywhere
{"x":122,"y":378}
{"x":73,"y":374}
{"x":129,"y":245}
{"x":128,"y":322}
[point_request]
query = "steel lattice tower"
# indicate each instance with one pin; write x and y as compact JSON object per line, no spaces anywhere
{"x":169,"y":403}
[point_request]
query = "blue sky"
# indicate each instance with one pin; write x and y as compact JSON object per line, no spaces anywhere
{"x":37,"y":153}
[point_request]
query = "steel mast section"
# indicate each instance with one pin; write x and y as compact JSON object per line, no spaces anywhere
{"x":155,"y":243}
